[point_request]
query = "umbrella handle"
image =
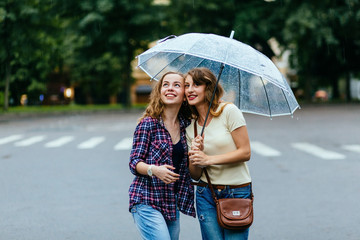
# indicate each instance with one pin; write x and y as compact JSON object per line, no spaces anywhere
{"x":217,"y":82}
{"x":212,"y":97}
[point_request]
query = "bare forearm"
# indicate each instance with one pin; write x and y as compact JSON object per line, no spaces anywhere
{"x":142,"y":168}
{"x":200,"y":159}
{"x":239,"y":155}
{"x":195,"y":172}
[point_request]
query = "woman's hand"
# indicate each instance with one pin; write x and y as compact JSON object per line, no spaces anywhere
{"x":165,"y":174}
{"x":199,"y":158}
{"x":197,"y":143}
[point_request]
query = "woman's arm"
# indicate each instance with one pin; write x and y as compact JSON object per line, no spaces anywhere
{"x":241,"y":154}
{"x":162,"y":172}
{"x":195,"y":171}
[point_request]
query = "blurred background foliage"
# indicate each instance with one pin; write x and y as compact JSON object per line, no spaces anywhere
{"x":89,"y":44}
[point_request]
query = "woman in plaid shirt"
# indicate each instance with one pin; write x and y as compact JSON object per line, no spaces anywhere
{"x":159,"y":160}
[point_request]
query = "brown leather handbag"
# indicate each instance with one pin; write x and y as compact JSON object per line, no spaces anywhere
{"x":232,"y":213}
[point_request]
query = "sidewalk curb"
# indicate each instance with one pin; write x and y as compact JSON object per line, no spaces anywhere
{"x":6,"y":117}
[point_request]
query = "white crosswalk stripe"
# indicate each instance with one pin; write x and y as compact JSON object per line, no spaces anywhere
{"x":263,"y":149}
{"x":30,"y":141}
{"x":91,"y":143}
{"x":9,"y":139}
{"x":317,"y":151}
{"x":257,"y":147}
{"x":124,"y":144}
{"x":353,"y":148}
{"x":59,"y":142}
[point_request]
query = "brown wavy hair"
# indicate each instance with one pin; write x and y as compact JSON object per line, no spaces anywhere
{"x":156,"y":106}
{"x":202,"y":76}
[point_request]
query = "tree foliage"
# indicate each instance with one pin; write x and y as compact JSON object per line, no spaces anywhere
{"x":325,"y":41}
{"x":91,"y":43}
{"x":27,"y":46}
{"x":106,"y":34}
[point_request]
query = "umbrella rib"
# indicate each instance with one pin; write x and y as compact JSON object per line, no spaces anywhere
{"x":287,"y":102}
{"x":188,"y":62}
{"x":267,"y":97}
{"x":166,"y":66}
{"x":149,"y":58}
{"x":199,"y":62}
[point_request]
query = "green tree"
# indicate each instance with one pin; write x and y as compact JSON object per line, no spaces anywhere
{"x":215,"y":16}
{"x":107,"y":34}
{"x":324,"y":38}
{"x":26,"y":46}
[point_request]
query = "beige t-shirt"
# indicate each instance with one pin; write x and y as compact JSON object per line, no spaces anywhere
{"x":218,"y":140}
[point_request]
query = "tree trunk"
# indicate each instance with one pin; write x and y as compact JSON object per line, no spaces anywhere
{"x":335,"y":89}
{"x":7,"y":85}
{"x":127,"y":77}
{"x":308,"y":88}
{"x":7,"y":63}
{"x":113,"y":99}
{"x":347,"y":86}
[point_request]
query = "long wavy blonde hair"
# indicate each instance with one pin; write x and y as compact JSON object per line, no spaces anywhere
{"x":202,"y":76}
{"x":156,"y":106}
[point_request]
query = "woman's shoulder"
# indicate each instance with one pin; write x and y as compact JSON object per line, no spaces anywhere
{"x":229,"y":107}
{"x":148,"y":122}
{"x":232,"y":112}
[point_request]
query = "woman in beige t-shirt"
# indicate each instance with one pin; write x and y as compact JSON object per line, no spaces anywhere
{"x":224,"y":150}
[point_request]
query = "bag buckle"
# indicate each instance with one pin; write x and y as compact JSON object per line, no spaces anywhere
{"x":236,"y":213}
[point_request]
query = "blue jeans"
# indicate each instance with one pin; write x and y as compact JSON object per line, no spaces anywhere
{"x":206,"y":212}
{"x":152,"y":225}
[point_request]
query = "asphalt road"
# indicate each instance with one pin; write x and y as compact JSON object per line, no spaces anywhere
{"x":66,"y":177}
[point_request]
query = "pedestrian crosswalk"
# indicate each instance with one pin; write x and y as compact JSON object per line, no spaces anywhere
{"x":257,"y":147}
{"x":124,"y":144}
{"x":264,"y":150}
{"x":91,"y":143}
{"x":354,"y":148}
{"x":10,"y":139}
{"x":59,"y":142}
{"x":318,"y":151}
{"x":29,"y":141}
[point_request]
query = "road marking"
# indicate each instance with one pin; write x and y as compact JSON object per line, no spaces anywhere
{"x":91,"y":143}
{"x":317,"y":151}
{"x":124,"y":144}
{"x":353,"y":148}
{"x":30,"y":141}
{"x":59,"y":142}
{"x":264,"y":150}
{"x":11,"y":138}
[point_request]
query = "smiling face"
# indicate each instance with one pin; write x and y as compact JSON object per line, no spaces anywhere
{"x":172,"y":89}
{"x":194,"y":92}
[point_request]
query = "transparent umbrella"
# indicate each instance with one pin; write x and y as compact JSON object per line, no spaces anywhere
{"x":250,"y":79}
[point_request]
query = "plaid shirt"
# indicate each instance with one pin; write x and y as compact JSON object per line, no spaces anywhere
{"x":152,"y":144}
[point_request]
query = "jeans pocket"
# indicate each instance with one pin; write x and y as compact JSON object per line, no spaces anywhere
{"x":244,"y":192}
{"x":133,"y":209}
{"x":200,"y":189}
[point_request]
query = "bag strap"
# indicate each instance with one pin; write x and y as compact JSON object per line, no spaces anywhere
{"x":207,"y":175}
{"x":205,"y":171}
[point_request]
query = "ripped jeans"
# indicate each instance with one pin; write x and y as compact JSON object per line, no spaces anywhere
{"x":206,"y":212}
